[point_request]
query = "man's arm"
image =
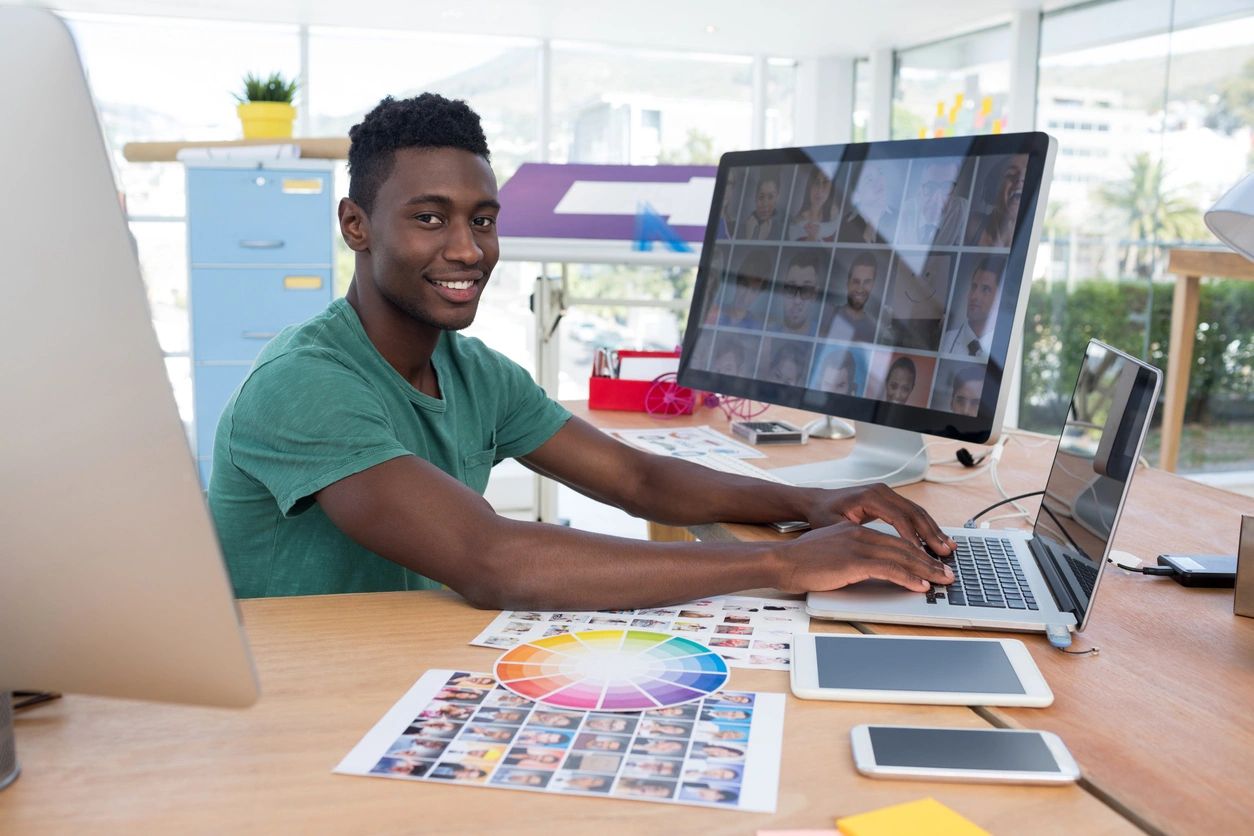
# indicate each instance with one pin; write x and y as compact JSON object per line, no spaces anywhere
{"x":412,"y":513}
{"x":678,"y":492}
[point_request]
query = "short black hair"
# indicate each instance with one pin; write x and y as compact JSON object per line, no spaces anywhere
{"x":994,"y":264}
{"x":425,"y":121}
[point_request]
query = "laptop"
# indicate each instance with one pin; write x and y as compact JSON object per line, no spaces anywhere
{"x":1048,"y":578}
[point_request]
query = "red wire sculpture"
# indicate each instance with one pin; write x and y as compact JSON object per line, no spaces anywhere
{"x":666,"y":399}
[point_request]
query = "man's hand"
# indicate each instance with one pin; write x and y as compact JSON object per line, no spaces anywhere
{"x":844,"y":553}
{"x":878,"y":502}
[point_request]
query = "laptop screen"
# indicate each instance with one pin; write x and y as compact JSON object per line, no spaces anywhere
{"x":1101,"y":441}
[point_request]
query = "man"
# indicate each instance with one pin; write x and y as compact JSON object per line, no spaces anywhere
{"x":795,"y":299}
{"x":354,"y":456}
{"x":899,"y":384}
{"x":935,"y":215}
{"x":852,"y":321}
{"x":964,"y":397}
{"x":974,"y":337}
{"x":765,"y":222}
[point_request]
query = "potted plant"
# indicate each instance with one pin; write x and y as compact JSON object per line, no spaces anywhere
{"x":265,"y":108}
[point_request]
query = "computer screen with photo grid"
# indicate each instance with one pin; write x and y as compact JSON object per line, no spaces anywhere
{"x":881,"y":282}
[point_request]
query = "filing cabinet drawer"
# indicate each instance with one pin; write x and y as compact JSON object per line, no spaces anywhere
{"x":259,"y":216}
{"x":212,"y":387}
{"x":236,"y":311}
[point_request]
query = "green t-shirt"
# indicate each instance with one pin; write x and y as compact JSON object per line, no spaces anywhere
{"x":321,"y":404}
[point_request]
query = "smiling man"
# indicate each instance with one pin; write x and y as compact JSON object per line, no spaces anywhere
{"x":354,"y":456}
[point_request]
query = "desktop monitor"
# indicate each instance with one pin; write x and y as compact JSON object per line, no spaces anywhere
{"x":111,"y":580}
{"x":883,"y":282}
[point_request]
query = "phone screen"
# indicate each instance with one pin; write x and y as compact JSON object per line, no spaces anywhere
{"x":1006,"y":751}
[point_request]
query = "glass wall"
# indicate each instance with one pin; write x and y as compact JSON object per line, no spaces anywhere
{"x":644,"y":108}
{"x":1150,"y":104}
{"x":953,"y":87}
{"x":861,"y":116}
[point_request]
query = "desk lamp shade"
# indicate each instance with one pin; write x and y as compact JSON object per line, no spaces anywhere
{"x":1232,"y":217}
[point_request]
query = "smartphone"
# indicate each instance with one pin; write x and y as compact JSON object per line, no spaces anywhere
{"x":1004,"y":756}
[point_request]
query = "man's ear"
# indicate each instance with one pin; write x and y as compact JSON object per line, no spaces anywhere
{"x":354,"y":225}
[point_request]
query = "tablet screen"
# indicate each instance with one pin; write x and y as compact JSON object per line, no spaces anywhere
{"x":866,"y":664}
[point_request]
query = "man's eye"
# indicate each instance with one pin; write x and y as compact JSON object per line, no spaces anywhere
{"x":427,"y":218}
{"x":484,"y":221}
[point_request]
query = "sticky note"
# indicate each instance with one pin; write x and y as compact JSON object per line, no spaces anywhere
{"x":925,"y":817}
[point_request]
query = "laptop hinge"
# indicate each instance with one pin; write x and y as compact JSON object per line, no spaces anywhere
{"x":1053,"y":579}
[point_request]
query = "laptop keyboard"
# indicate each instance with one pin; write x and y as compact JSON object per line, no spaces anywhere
{"x":986,"y":574}
{"x":1085,"y":573}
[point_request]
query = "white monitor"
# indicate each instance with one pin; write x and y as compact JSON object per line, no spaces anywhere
{"x":111,"y":580}
{"x":882,"y":282}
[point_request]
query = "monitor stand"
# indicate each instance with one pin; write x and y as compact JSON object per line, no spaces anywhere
{"x":8,"y":748}
{"x":880,"y":454}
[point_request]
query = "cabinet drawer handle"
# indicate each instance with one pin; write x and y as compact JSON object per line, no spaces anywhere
{"x":260,"y":335}
{"x":272,"y":244}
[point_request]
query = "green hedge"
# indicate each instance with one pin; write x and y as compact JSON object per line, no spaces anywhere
{"x":1061,"y":322}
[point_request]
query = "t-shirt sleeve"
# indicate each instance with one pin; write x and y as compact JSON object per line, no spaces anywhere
{"x":304,"y":421}
{"x":528,"y":416}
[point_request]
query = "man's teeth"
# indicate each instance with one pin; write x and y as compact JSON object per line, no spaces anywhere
{"x":466,"y":285}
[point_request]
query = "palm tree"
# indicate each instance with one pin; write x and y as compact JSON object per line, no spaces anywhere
{"x":1151,"y":211}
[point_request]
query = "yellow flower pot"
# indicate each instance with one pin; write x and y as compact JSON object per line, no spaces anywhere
{"x":266,"y":120}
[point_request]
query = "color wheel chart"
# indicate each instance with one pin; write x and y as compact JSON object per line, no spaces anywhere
{"x":612,"y":670}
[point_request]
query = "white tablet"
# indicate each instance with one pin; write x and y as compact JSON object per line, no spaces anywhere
{"x":914,"y":669}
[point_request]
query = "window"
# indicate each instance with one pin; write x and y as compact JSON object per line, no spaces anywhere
{"x":1146,"y":97}
{"x":861,"y":99}
{"x":350,"y":70}
{"x":704,"y":105}
{"x":954,"y":87}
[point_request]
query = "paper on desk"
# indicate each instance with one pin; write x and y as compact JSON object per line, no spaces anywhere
{"x":748,"y":632}
{"x":686,"y":442}
{"x":457,"y":727}
{"x":646,"y":368}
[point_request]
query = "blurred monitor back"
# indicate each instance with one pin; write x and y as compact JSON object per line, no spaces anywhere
{"x":111,"y":579}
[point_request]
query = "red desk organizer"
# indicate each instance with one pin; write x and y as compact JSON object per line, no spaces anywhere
{"x":625,"y":395}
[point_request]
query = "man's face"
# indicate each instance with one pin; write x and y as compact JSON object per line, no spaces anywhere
{"x":934,"y":191}
{"x":899,"y":386}
{"x":966,"y":398}
{"x":980,"y":299}
{"x":861,"y":283}
{"x":768,"y":196}
{"x":801,"y":286}
{"x":432,"y":235}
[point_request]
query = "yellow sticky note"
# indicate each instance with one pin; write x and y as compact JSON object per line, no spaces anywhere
{"x":925,"y":817}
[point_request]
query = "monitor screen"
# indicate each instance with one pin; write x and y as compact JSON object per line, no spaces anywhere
{"x":1110,"y":410}
{"x":881,"y":282}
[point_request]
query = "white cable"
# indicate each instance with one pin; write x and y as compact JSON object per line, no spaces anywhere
{"x":991,"y":457}
{"x":890,"y":474}
{"x":995,"y":456}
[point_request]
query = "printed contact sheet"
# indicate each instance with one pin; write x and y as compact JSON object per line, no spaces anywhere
{"x":746,"y":631}
{"x":457,"y":727}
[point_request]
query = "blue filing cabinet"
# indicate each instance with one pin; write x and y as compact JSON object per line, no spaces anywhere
{"x":259,"y":245}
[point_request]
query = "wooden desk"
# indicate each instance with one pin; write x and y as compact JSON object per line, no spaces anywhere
{"x":332,"y":665}
{"x":1161,"y":719}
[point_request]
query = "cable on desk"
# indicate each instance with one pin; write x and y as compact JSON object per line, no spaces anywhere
{"x":971,"y":522}
{"x":26,"y":699}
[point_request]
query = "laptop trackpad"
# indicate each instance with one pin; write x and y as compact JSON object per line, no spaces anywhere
{"x":868,"y":596}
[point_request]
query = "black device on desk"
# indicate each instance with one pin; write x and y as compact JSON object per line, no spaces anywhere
{"x":1213,"y":570}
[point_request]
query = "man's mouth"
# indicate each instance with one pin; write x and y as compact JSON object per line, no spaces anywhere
{"x":459,"y":288}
